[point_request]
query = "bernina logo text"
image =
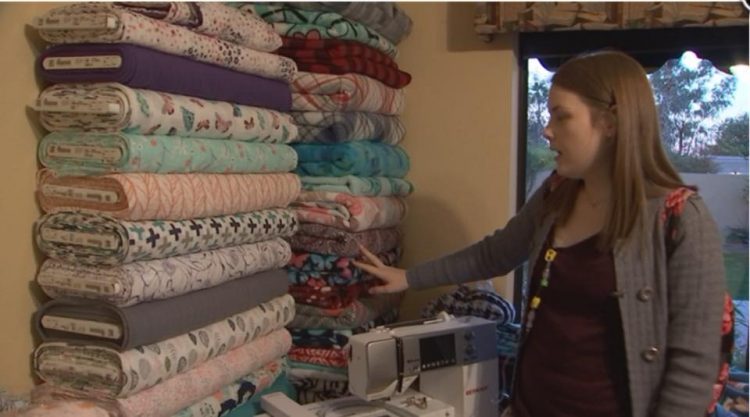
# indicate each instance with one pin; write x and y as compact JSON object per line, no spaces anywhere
{"x":475,"y":390}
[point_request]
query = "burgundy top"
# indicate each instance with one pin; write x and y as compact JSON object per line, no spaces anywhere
{"x":572,"y":363}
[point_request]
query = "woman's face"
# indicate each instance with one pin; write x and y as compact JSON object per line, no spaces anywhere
{"x":577,"y":138}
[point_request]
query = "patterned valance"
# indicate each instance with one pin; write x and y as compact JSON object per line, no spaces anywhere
{"x":500,"y":17}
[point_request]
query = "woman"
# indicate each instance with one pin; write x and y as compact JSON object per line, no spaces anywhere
{"x":627,"y":284}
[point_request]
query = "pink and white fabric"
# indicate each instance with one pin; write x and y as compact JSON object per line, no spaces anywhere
{"x":139,"y":196}
{"x":347,"y":92}
{"x":112,"y":24}
{"x":213,"y":19}
{"x":349,"y":212}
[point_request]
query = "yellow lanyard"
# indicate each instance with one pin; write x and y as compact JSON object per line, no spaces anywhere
{"x":536,"y":300}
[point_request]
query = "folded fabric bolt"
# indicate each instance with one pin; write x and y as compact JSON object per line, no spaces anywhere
{"x":99,"y":323}
{"x":61,"y":408}
{"x":139,"y":196}
{"x":80,"y":153}
{"x":320,"y":338}
{"x":343,"y":93}
{"x":352,"y":213}
{"x":329,"y":240}
{"x":291,"y":21}
{"x":389,"y":76}
{"x":319,"y":294}
{"x":180,"y":391}
{"x":112,"y":24}
{"x":361,"y":312}
{"x":364,"y":186}
{"x":138,"y":282}
{"x":328,"y":357}
{"x":113,"y":107}
{"x":239,"y":392}
{"x":91,"y":239}
{"x":334,"y":270}
{"x":106,"y":372}
{"x":333,"y":127}
{"x":361,"y":158}
{"x":322,"y":49}
{"x":212,"y":19}
{"x":387,"y":18}
{"x":145,"y":68}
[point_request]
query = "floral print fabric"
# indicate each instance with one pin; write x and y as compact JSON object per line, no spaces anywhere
{"x":76,"y":153}
{"x":213,"y":19}
{"x":146,"y":112}
{"x":138,"y":282}
{"x":91,"y":239}
{"x":137,"y":29}
{"x":333,"y":270}
{"x":360,"y":158}
{"x":138,"y":196}
{"x":330,"y":240}
{"x":333,"y":127}
{"x":344,"y":93}
{"x":352,"y":213}
{"x":290,"y":21}
{"x":365,"y":186}
{"x":109,"y":373}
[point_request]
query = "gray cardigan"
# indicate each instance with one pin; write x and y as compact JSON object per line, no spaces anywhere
{"x":671,"y":309}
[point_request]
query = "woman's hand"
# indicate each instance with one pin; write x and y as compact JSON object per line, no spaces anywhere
{"x":394,"y":279}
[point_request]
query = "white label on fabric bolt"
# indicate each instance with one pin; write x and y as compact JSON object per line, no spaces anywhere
{"x":90,"y":240}
{"x":64,"y":365}
{"x":91,"y":153}
{"x":80,"y":21}
{"x":79,"y":193}
{"x":69,"y":280}
{"x":80,"y":326}
{"x":82,"y":62}
{"x":88,"y":106}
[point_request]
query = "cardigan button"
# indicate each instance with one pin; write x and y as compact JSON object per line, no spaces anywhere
{"x":644,"y":294}
{"x":650,"y":354}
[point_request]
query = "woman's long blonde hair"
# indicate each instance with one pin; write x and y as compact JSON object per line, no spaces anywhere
{"x":610,"y":81}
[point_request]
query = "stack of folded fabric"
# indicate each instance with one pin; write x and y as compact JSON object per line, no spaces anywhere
{"x":346,"y":101}
{"x":167,"y":185}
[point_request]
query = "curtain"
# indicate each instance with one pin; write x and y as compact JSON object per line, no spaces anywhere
{"x":501,"y":17}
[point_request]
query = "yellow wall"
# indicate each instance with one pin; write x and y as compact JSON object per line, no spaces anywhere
{"x":459,"y":117}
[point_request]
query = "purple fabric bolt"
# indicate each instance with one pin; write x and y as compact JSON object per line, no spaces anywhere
{"x":153,"y":70}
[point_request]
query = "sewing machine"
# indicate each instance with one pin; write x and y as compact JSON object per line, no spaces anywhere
{"x":455,"y":360}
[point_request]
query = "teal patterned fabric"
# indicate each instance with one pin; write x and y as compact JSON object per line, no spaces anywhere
{"x":290,"y":21}
{"x":362,"y":159}
{"x":92,"y":239}
{"x":366,"y":186}
{"x":76,"y":153}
